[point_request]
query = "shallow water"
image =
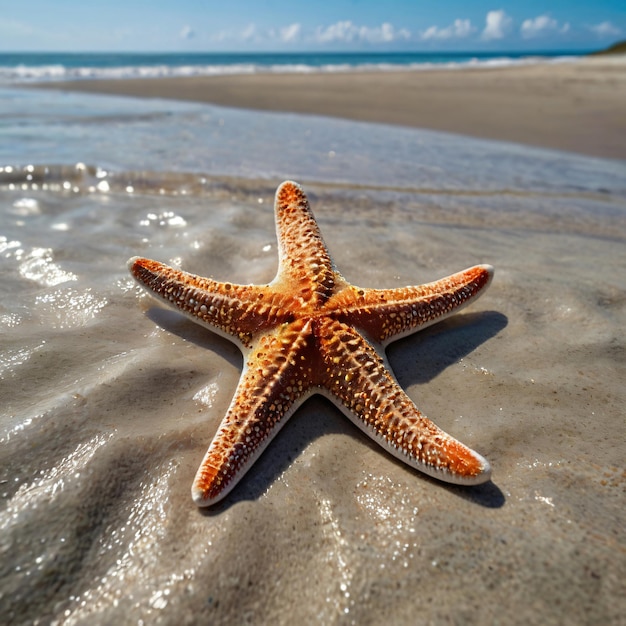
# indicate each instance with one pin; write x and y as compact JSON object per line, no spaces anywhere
{"x":109,"y":402}
{"x":54,"y":66}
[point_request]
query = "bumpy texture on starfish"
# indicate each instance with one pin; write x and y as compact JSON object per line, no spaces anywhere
{"x":307,"y":332}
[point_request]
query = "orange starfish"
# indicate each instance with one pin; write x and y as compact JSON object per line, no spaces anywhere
{"x":309,"y":331}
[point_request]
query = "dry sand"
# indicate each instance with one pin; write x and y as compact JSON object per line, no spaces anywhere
{"x":577,"y":107}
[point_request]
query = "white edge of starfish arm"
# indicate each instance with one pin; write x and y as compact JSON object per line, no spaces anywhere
{"x":407,"y":333}
{"x":441,"y":474}
{"x":196,"y":492}
{"x":196,"y":320}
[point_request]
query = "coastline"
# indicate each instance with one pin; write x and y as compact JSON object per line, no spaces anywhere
{"x":575,"y":107}
{"x":110,"y":401}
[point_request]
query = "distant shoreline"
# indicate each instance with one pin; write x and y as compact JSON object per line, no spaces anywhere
{"x":618,"y":47}
{"x":59,"y":66}
{"x":575,"y":106}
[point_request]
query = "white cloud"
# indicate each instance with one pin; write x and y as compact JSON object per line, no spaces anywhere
{"x":540,"y":26}
{"x":383,"y":33}
{"x":291,"y":32}
{"x":249,"y":32}
{"x":386,"y":32}
{"x":497,"y":24}
{"x":187,"y":32}
{"x":605,"y":29}
{"x":340,"y":31}
{"x":457,"y":30}
{"x":348,"y":32}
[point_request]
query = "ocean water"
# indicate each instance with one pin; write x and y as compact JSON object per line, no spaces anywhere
{"x":108,"y":402}
{"x":15,"y":67}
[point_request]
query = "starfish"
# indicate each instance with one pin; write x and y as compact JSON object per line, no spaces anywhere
{"x":309,"y":331}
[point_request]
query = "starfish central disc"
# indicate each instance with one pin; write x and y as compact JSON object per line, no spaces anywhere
{"x":309,"y":331}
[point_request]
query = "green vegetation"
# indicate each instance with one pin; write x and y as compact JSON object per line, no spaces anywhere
{"x":616,"y":48}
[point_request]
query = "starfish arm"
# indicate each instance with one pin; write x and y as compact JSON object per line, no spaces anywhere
{"x":386,"y":315}
{"x":237,"y":311}
{"x":361,"y":384}
{"x":275,"y":381}
{"x":304,"y":264}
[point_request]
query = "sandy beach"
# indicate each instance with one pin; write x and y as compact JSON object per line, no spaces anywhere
{"x":109,"y":401}
{"x":577,"y":106}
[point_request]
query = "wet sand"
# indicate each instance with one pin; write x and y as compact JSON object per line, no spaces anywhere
{"x":577,"y":107}
{"x":109,"y":401}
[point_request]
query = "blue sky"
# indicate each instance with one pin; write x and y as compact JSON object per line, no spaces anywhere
{"x":315,"y":25}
